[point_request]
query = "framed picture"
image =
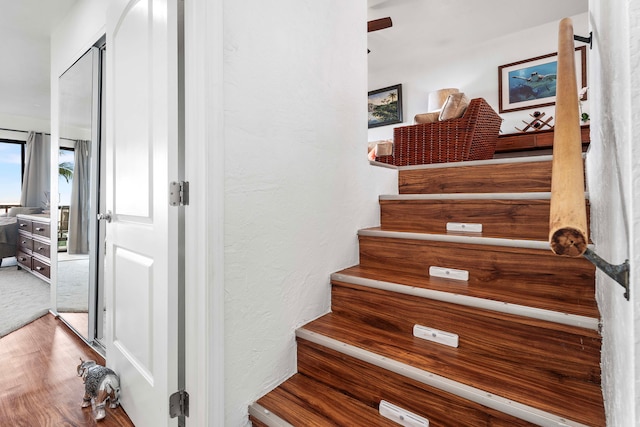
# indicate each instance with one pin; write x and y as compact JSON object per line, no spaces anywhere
{"x":385,"y":106}
{"x":532,"y":83}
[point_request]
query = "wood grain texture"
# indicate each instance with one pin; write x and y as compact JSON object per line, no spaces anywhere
{"x":508,"y":291}
{"x":39,"y":385}
{"x":303,"y":401}
{"x":553,"y":367}
{"x":539,"y":139}
{"x":505,"y":339}
{"x":515,"y":219}
{"x":256,"y":423}
{"x":372,"y":384}
{"x":550,"y":391}
{"x":564,"y":284}
{"x":568,"y":232}
{"x":499,"y":178}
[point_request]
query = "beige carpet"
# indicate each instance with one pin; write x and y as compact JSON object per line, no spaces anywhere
{"x":73,"y":286}
{"x":23,"y":298}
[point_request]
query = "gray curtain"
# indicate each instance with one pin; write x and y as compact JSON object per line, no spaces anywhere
{"x":78,"y":242}
{"x":37,"y":170}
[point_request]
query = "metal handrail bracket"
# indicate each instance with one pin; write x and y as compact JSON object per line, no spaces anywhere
{"x":585,"y":39}
{"x":619,"y":273}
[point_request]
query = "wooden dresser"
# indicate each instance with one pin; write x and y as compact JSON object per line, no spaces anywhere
{"x":34,"y":245}
{"x":534,"y":140}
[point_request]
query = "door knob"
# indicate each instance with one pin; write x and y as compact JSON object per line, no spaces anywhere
{"x":105,"y":216}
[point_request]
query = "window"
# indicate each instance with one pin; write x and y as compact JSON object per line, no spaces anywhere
{"x":11,"y":170}
{"x":65,"y":163}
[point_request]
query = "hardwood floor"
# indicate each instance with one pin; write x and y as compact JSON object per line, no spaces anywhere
{"x":38,"y":381}
{"x":78,"y":321}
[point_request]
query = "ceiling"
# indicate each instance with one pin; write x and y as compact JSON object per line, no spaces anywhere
{"x":25,"y":28}
{"x":420,"y":29}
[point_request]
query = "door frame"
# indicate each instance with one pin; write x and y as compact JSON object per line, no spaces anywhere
{"x":204,"y":217}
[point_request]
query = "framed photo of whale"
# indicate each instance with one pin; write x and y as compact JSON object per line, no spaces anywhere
{"x":531,"y":83}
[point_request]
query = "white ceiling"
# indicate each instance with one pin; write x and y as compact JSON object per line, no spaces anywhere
{"x":25,"y":27}
{"x":420,"y":29}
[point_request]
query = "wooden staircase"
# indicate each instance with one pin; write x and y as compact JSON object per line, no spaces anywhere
{"x":526,"y":320}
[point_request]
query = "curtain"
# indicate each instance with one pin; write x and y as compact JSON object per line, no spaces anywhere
{"x":78,"y":242}
{"x":37,"y":170}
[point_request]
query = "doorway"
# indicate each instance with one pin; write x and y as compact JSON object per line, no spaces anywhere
{"x":79,"y":258}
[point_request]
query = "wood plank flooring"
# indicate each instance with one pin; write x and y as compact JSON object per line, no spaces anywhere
{"x":38,"y":381}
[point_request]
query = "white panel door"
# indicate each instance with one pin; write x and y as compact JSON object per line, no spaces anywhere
{"x":141,"y":260}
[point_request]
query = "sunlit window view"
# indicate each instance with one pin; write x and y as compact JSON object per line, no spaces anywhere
{"x":10,"y":173}
{"x":65,"y":176}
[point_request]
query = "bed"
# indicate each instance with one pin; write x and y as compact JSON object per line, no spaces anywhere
{"x":8,"y":237}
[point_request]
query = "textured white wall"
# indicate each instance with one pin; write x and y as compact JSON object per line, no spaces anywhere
{"x":474,"y":70}
{"x":613,"y":173}
{"x":298,"y":184}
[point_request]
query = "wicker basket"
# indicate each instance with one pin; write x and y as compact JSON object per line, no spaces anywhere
{"x":470,"y":137}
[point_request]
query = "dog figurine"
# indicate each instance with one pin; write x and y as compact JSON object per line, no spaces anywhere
{"x":100,"y":384}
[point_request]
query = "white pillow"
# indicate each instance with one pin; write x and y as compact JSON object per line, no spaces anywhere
{"x":454,"y":107}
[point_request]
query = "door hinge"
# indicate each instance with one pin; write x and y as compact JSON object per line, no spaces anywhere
{"x":178,"y":193}
{"x":179,"y":404}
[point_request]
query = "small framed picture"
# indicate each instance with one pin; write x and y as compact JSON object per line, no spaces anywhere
{"x":531,"y":83}
{"x":385,"y":106}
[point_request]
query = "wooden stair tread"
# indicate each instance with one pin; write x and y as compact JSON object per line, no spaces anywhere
{"x":535,"y":343}
{"x":372,"y":383}
{"x":536,"y":262}
{"x":302,"y":401}
{"x":520,"y":291}
{"x":575,"y":399}
{"x":531,"y":272}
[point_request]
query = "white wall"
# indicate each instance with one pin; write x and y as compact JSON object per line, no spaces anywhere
{"x":298,"y":184}
{"x":23,"y":124}
{"x":474,"y":70}
{"x":613,"y":173}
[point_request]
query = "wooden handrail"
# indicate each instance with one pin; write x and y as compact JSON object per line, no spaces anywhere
{"x":568,"y":213}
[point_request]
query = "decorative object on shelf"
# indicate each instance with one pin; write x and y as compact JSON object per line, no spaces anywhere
{"x":532,"y":83}
{"x":584,"y":117}
{"x":100,"y":384}
{"x":537,"y":123}
{"x":541,"y":140}
{"x":385,"y":106}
